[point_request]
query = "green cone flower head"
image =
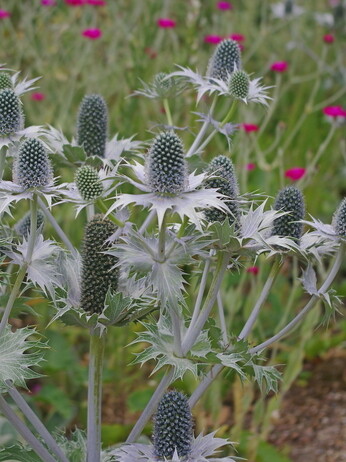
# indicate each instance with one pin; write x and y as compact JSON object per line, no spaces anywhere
{"x":23,"y":226}
{"x":239,"y":84}
{"x":163,"y":86}
{"x":225,"y":60}
{"x":165,"y":168}
{"x":290,"y":200}
{"x":340,"y":219}
{"x":97,"y":273}
{"x":221,"y":167}
{"x":32,"y":168}
{"x":5,"y":81}
{"x":11,"y":117}
{"x":88,"y":182}
{"x":172,"y":427}
{"x":92,"y":125}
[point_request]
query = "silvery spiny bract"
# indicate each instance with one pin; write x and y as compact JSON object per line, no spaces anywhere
{"x":97,"y":273}
{"x":5,"y":81}
{"x":164,"y":85}
{"x":290,"y":200}
{"x":239,"y":84}
{"x":224,"y":179}
{"x":340,"y":219}
{"x":173,"y":426}
{"x":11,"y":117}
{"x":225,"y":60}
{"x":23,"y":226}
{"x":88,"y":182}
{"x":92,"y":125}
{"x":165,"y":167}
{"x":32,"y":168}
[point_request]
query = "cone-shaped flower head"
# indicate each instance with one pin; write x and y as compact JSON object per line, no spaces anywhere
{"x":165,"y":168}
{"x":289,"y":200}
{"x":97,"y":273}
{"x":164,"y":86}
{"x":225,"y":59}
{"x":88,"y":182}
{"x":11,"y":117}
{"x":239,"y":84}
{"x":222,"y":169}
{"x":92,"y":125}
{"x":32,"y":168}
{"x":289,"y":5}
{"x":23,"y":226}
{"x":173,"y":427}
{"x":5,"y":81}
{"x":340,"y":219}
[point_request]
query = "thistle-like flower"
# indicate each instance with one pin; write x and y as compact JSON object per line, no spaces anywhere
{"x":226,"y":58}
{"x":224,"y":179}
{"x":92,"y":125}
{"x":32,"y":168}
{"x":162,"y":86}
{"x":23,"y":226}
{"x":88,"y":182}
{"x":239,"y":84}
{"x":289,"y":200}
{"x":166,"y":184}
{"x":340,"y":219}
{"x":173,"y":427}
{"x":5,"y":81}
{"x":11,"y":116}
{"x":173,"y":438}
{"x":166,"y":170}
{"x":98,"y":272}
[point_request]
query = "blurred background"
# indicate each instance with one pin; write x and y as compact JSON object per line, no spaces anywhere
{"x":108,"y":47}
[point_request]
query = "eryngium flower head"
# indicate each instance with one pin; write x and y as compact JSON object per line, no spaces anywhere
{"x":92,"y":125}
{"x":5,"y":81}
{"x":165,"y":167}
{"x":164,"y":86}
{"x":239,"y":84}
{"x":11,"y":117}
{"x":32,"y":168}
{"x":225,"y":59}
{"x":23,"y":226}
{"x":97,"y":273}
{"x":222,"y":169}
{"x":340,"y":219}
{"x":172,"y":426}
{"x":290,"y":200}
{"x":88,"y":182}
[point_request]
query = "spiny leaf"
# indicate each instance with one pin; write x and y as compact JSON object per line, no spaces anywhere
{"x":16,"y":361}
{"x":267,"y":377}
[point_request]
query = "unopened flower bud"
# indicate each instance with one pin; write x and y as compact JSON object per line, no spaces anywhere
{"x":92,"y":125}
{"x":239,"y":84}
{"x":5,"y":81}
{"x":340,"y":219}
{"x":289,"y":200}
{"x":225,"y":60}
{"x":11,"y":117}
{"x":24,"y":225}
{"x":32,"y":168}
{"x":88,"y":182}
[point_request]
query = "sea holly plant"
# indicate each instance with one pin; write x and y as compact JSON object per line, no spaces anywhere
{"x":160,"y":238}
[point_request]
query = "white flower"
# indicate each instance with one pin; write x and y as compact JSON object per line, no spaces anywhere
{"x":184,"y":203}
{"x":203,"y":447}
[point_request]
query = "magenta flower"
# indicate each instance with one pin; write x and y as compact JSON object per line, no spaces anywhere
{"x":213,"y":39}
{"x":279,"y":66}
{"x":96,"y":2}
{"x":38,"y":96}
{"x":237,"y":37}
{"x":4,"y":14}
{"x":48,"y":2}
{"x":328,"y":38}
{"x":253,"y":270}
{"x":92,"y":34}
{"x":295,"y":173}
{"x":75,"y":2}
{"x":248,"y":128}
{"x":166,"y":23}
{"x":251,"y":166}
{"x":334,"y":111}
{"x":224,"y":6}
